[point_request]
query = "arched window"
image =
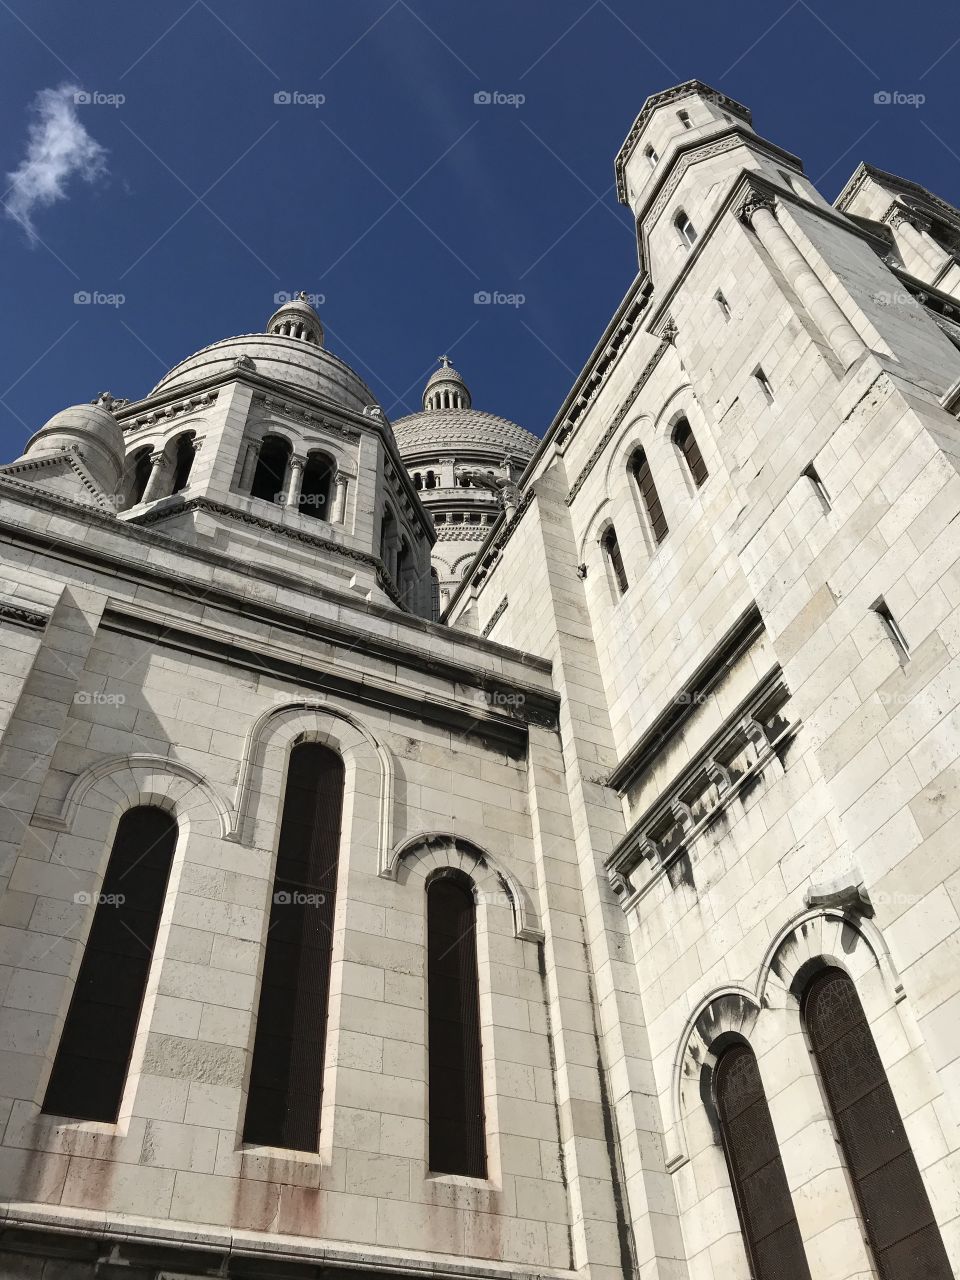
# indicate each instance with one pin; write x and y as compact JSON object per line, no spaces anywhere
{"x":686,"y":442}
{"x":183,"y":457}
{"x":401,"y":575}
{"x":684,"y":118}
{"x":456,"y":1119}
{"x":417,"y":480}
{"x":768,"y":1220}
{"x":90,"y":1069}
{"x":315,"y":487}
{"x":611,"y":549}
{"x":685,"y":229}
{"x":651,"y":156}
{"x":271,"y":469}
{"x":140,"y":467}
{"x":286,"y":1078}
{"x":643,"y":476}
{"x":431,"y":481}
{"x":388,"y":531}
{"x":896,"y":1212}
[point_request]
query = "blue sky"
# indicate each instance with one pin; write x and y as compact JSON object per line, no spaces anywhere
{"x":199,"y":197}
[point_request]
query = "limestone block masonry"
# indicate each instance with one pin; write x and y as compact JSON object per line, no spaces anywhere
{"x":670,"y":697}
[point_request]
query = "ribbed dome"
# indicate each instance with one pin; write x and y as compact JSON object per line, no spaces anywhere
{"x":461,"y":431}
{"x":292,"y":360}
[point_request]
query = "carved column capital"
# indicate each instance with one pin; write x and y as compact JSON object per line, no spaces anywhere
{"x":754,"y":203}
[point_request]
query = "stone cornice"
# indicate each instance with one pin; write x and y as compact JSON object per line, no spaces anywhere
{"x":902,"y":186}
{"x":126,"y":567}
{"x":687,"y":698}
{"x":23,"y":616}
{"x":663,"y":99}
{"x":489,"y":704}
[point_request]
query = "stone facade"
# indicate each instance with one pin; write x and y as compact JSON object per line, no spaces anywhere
{"x":691,"y":745}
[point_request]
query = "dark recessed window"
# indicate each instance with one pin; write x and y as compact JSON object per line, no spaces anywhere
{"x":640,"y":470}
{"x":456,"y":1116}
{"x":686,"y":230}
{"x":315,"y":487}
{"x":611,"y":549}
{"x":894,"y":1207}
{"x":767,"y":1216}
{"x":140,"y":474}
{"x":90,"y":1069}
{"x":286,"y":1078}
{"x":183,"y":462}
{"x":685,"y":441}
{"x":268,"y":479}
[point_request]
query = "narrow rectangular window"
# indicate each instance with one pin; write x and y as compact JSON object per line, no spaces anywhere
{"x":898,"y":639}
{"x":686,"y":442}
{"x":456,"y":1113}
{"x":722,"y":304}
{"x":894,"y":1206}
{"x":611,"y":549}
{"x":286,"y":1078}
{"x":93,"y":1057}
{"x":813,"y":475}
{"x":763,"y":382}
{"x":643,"y":477}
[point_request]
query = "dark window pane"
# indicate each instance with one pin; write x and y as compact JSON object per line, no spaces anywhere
{"x":893,"y":1200}
{"x":767,"y":1217}
{"x":648,"y":495}
{"x":686,"y":442}
{"x":90,"y":1068}
{"x":457,"y":1142}
{"x":286,"y":1078}
{"x":611,"y":548}
{"x":271,"y":469}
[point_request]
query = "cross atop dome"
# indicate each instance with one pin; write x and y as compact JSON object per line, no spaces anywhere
{"x":446,"y":388}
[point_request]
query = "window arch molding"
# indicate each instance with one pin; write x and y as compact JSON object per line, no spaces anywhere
{"x":369,"y":766}
{"x":438,"y":852}
{"x":812,"y":941}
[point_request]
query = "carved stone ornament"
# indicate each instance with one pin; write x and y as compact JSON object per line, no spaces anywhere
{"x":244,"y":362}
{"x":754,"y":202}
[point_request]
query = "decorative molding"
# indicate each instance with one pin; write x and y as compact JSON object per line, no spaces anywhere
{"x":461,"y":532}
{"x":454,"y":851}
{"x":495,"y":616}
{"x":623,"y":409}
{"x":175,"y":409}
{"x":22,"y":616}
{"x":755,"y":201}
{"x":749,"y":740}
{"x":72,"y":457}
{"x":289,"y":409}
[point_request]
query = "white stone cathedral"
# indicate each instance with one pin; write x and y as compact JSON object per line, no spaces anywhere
{"x":433,"y":851}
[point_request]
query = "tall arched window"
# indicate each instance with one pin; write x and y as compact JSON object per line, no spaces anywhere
{"x":685,"y":229}
{"x":315,"y":488}
{"x":686,"y":442}
{"x":456,"y":1118}
{"x":640,"y":470}
{"x":140,"y":468}
{"x":611,"y":550}
{"x":767,"y":1217}
{"x":183,"y":457}
{"x":893,"y":1201}
{"x":286,"y":1078}
{"x":90,"y":1069}
{"x":271,"y":469}
{"x":434,"y":595}
{"x":388,"y":534}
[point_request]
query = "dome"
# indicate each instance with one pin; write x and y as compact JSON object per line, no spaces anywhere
{"x":462,"y":431}
{"x":449,"y":424}
{"x":290,"y":352}
{"x":90,"y":429}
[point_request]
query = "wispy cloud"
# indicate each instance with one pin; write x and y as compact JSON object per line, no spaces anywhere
{"x":58,"y":149}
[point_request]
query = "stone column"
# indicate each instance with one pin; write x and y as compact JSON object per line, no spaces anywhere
{"x":291,"y":496}
{"x":249,"y":468}
{"x":759,"y":213}
{"x":339,"y":499}
{"x":915,"y":233}
{"x":157,"y":484}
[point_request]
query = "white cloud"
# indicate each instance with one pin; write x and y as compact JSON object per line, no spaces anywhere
{"x":58,"y":148}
